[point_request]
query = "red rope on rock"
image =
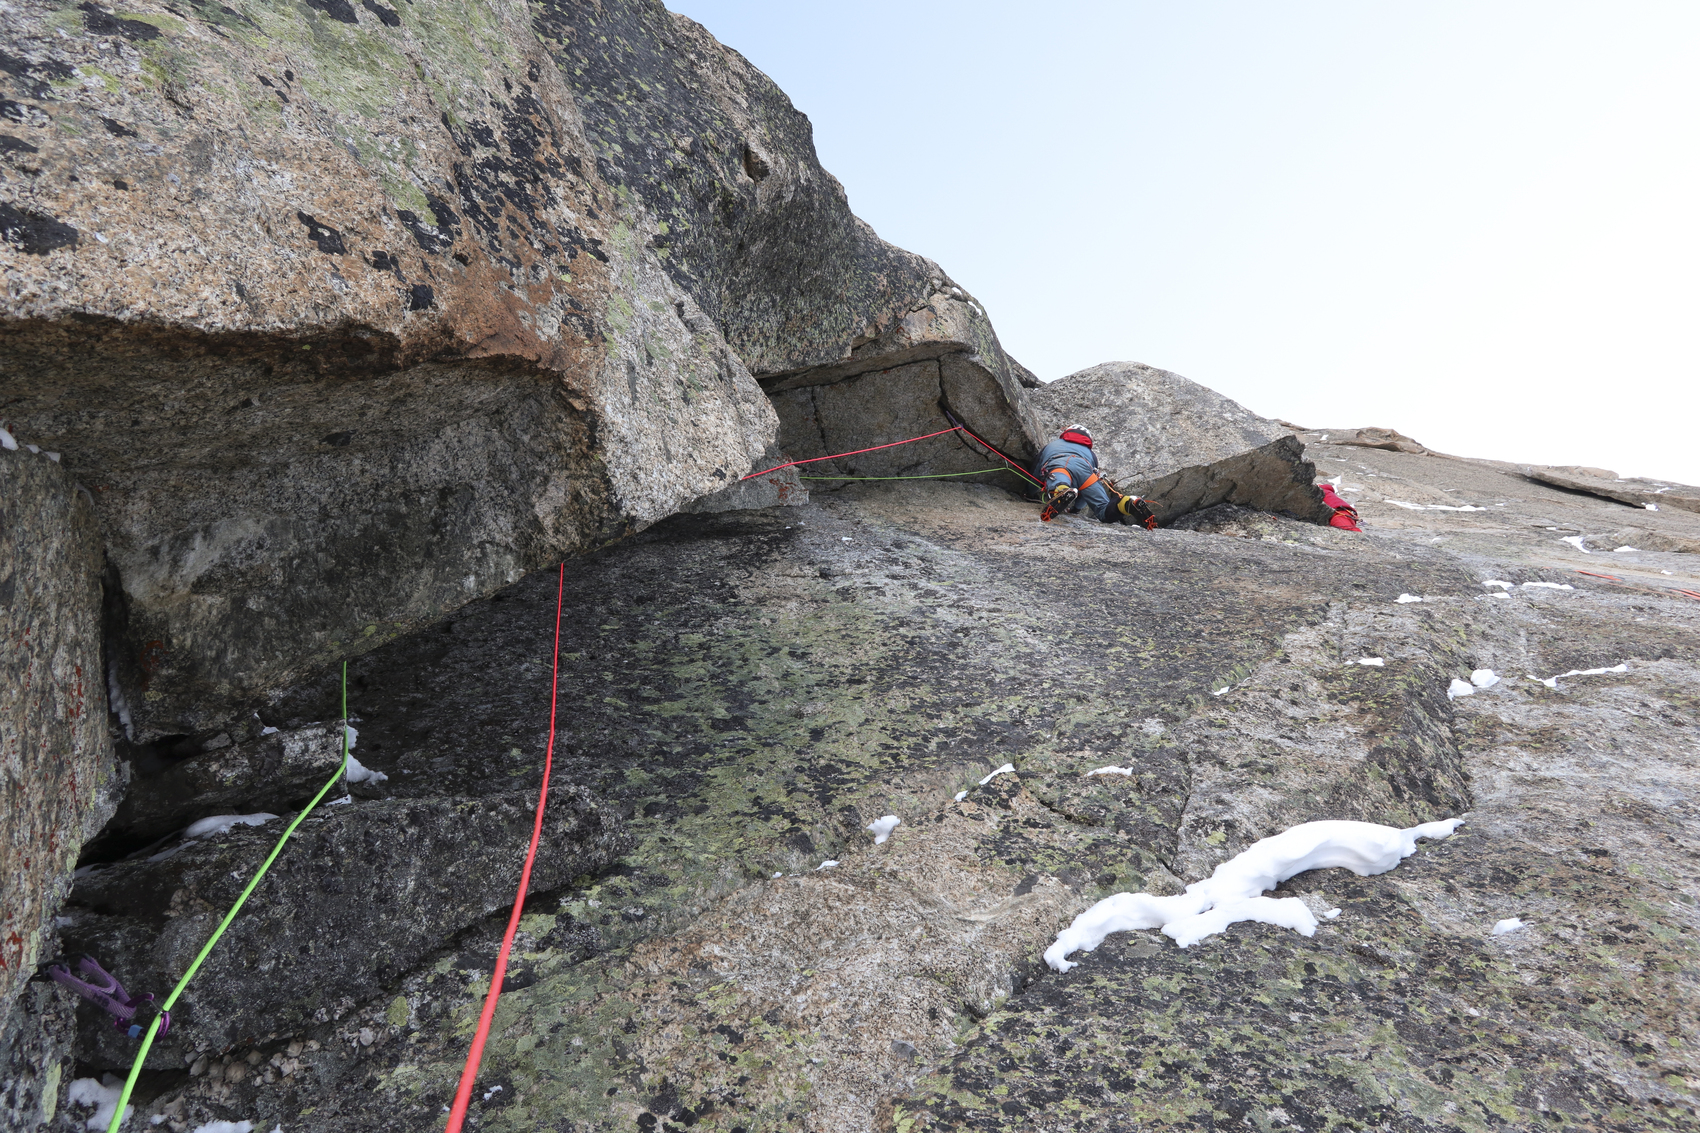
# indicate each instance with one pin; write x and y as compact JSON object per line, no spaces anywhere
{"x":835,"y":456}
{"x":469,"y":1073}
{"x":1017,"y":467}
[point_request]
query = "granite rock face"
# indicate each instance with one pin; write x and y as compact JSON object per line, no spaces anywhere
{"x":1180,"y":445}
{"x":348,"y":315}
{"x":745,"y":219}
{"x":754,"y":688}
{"x":332,"y":310}
{"x":58,"y":780}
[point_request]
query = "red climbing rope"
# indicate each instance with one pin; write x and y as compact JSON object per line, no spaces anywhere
{"x":1001,"y":455}
{"x":469,"y":1073}
{"x":835,"y":456}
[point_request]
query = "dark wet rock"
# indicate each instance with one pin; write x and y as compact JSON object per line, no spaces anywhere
{"x":58,"y":781}
{"x":363,"y":893}
{"x":1180,"y":445}
{"x":272,"y":773}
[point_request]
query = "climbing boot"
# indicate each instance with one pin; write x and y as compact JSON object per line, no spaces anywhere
{"x":1135,"y":512}
{"x":1060,"y":499}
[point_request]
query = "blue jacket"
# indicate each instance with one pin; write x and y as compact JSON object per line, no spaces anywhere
{"x":1077,"y":460}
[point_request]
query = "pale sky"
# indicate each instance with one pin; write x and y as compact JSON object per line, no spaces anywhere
{"x":1477,"y":223}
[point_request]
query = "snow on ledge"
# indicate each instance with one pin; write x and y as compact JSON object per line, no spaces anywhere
{"x":1234,"y":892}
{"x":1552,"y":682}
{"x":882,"y":827}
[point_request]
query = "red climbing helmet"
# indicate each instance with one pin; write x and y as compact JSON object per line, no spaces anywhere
{"x":1077,"y":435}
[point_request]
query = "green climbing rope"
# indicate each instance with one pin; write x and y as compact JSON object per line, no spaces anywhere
{"x":940,"y":476}
{"x":206,"y":949}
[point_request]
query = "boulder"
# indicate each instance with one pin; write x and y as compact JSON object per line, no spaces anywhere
{"x":1180,"y":445}
{"x":349,"y":315}
{"x":360,"y":894}
{"x":775,"y":483}
{"x":745,"y":219}
{"x":1391,"y":440}
{"x":58,"y":782}
{"x":336,"y":312}
{"x":1636,"y":492}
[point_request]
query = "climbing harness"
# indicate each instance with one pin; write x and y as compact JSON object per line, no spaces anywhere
{"x":469,"y":1072}
{"x":100,"y":987}
{"x":157,"y":1026}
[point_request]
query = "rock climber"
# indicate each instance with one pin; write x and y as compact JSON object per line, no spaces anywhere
{"x":1068,"y":469}
{"x":1345,"y":515}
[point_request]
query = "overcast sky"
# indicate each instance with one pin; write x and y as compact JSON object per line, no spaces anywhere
{"x":1478,"y":223}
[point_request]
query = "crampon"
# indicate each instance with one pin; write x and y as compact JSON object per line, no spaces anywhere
{"x":1061,"y":499}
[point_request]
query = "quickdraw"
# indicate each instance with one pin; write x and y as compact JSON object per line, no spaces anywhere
{"x":130,"y":1013}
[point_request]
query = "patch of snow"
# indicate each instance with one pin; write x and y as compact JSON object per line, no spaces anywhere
{"x":10,"y":444}
{"x":54,"y":457}
{"x":1331,"y":914}
{"x":844,"y":538}
{"x":1484,"y":678}
{"x":352,"y":735}
{"x":1552,"y":682}
{"x":1407,"y":599}
{"x":268,"y":731}
{"x":102,"y":1096}
{"x":828,"y":864}
{"x":35,"y":450}
{"x":1509,"y":924}
{"x":1128,"y":771}
{"x":1373,"y":662}
{"x":777,"y":876}
{"x":1459,"y":688}
{"x":1576,"y":541}
{"x":1006,"y":769}
{"x":492,"y":1091}
{"x":1500,"y":582}
{"x":225,"y":1127}
{"x":1667,"y":572}
{"x":1434,"y":507}
{"x":882,"y":827}
{"x":1626,"y":550}
{"x":1547,"y":586}
{"x":342,"y":801}
{"x":1234,"y":892}
{"x":959,"y":796}
{"x":1221,"y":691}
{"x":356,"y":773}
{"x":220,"y":823}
